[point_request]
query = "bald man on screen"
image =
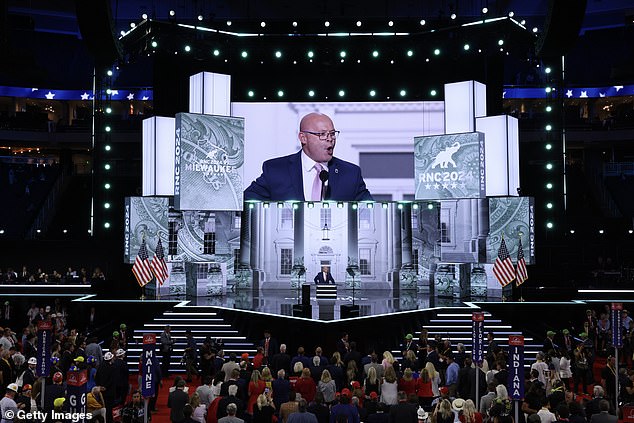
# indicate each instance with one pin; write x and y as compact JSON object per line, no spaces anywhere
{"x":313,"y":173}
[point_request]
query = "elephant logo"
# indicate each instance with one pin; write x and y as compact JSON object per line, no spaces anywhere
{"x":445,"y":157}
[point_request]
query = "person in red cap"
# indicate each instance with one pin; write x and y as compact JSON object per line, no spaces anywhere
{"x":56,"y":390}
{"x":345,"y":409}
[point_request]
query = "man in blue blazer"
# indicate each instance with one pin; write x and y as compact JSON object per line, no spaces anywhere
{"x":324,"y":276}
{"x":297,"y":177}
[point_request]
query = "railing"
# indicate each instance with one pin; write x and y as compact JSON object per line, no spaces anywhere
{"x":46,"y":213}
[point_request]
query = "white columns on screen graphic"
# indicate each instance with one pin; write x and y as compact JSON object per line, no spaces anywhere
{"x":210,"y":94}
{"x":501,"y":145}
{"x":158,"y":156}
{"x":464,"y":102}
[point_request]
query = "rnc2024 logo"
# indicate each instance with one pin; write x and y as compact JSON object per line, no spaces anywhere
{"x":443,"y":160}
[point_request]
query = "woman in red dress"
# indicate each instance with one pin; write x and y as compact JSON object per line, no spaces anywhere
{"x":256,"y":388}
{"x":306,"y":386}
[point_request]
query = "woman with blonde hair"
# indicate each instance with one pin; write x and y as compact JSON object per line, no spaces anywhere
{"x":407,"y":383}
{"x":372,"y":383}
{"x":337,"y":371}
{"x":469,"y":413}
{"x":305,"y":386}
{"x":256,"y":388}
{"x":443,"y":412}
{"x":388,"y":360}
{"x":351,"y":372}
{"x":435,"y":378}
{"x":264,"y":409}
{"x":327,"y":387}
{"x":389,"y":387}
{"x":200,"y":411}
{"x":267,"y":377}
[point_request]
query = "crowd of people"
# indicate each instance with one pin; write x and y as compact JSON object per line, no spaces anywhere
{"x":430,"y":379}
{"x":39,"y":276}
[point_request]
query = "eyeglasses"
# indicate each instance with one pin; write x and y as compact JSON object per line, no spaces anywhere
{"x":323,"y":136}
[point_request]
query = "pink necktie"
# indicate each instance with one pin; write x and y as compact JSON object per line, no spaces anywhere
{"x":316,"y":193}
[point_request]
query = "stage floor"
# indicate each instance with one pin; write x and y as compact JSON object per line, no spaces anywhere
{"x":373,"y":302}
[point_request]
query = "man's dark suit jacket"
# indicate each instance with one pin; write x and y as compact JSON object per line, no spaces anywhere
{"x":282,"y":180}
{"x":319,"y":279}
{"x":176,"y":401}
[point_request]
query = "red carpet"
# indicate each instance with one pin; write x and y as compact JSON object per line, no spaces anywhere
{"x":163,"y":413}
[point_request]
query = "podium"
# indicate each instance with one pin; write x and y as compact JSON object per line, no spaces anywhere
{"x":326,"y":291}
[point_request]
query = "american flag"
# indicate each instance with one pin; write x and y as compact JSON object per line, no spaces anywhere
{"x":522,"y":273}
{"x":158,"y":265}
{"x":503,"y":268}
{"x":141,"y":269}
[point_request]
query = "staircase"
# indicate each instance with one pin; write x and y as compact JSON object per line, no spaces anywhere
{"x":202,"y":321}
{"x":455,"y":324}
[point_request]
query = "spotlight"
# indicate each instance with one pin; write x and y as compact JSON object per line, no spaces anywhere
{"x":188,"y":49}
{"x":549,"y":109}
{"x":601,"y":231}
{"x":280,"y":93}
{"x":453,"y":16}
{"x":310,"y":54}
{"x":38,"y":231}
{"x":549,"y":225}
{"x":549,"y":166}
{"x":433,"y":93}
{"x":523,"y":22}
{"x":358,"y":23}
{"x":216,"y":52}
{"x":109,"y":73}
{"x":535,"y":30}
{"x":172,"y":12}
{"x":65,"y":231}
{"x":107,"y":148}
{"x":500,"y":42}
{"x":430,"y":206}
{"x":375,"y":53}
{"x":154,"y":44}
{"x":466,"y":47}
{"x":549,"y":205}
{"x":342,"y":53}
{"x":144,"y":16}
{"x":403,"y":93}
{"x":294,"y":24}
{"x":106,"y":225}
{"x":410,"y":53}
{"x":549,"y":185}
{"x":342,"y":93}
{"x":107,"y":186}
{"x":262,"y":24}
{"x":437,"y":51}
{"x":549,"y":127}
{"x":200,"y":17}
{"x":327,"y":24}
{"x":549,"y":146}
{"x":311,"y":93}
{"x":244,"y":54}
{"x":390,"y":23}
{"x":228,"y":23}
{"x":422,"y":22}
{"x":630,"y":231}
{"x":250,"y":93}
{"x":278,"y":54}
{"x":485,"y":10}
{"x":108,"y":110}
{"x":108,"y":129}
{"x":547,"y":70}
{"x":132,"y":25}
{"x":511,"y":14}
{"x":106,"y":205}
{"x":372,"y":93}
{"x":106,"y":166}
{"x":572,"y":231}
{"x":122,"y":33}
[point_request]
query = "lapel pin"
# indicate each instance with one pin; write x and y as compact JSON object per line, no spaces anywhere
{"x":336,"y":170}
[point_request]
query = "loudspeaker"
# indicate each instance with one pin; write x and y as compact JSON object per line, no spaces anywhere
{"x":306,"y":294}
{"x":302,"y":310}
{"x":348,"y":311}
{"x":97,"y":29}
{"x":561,"y":28}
